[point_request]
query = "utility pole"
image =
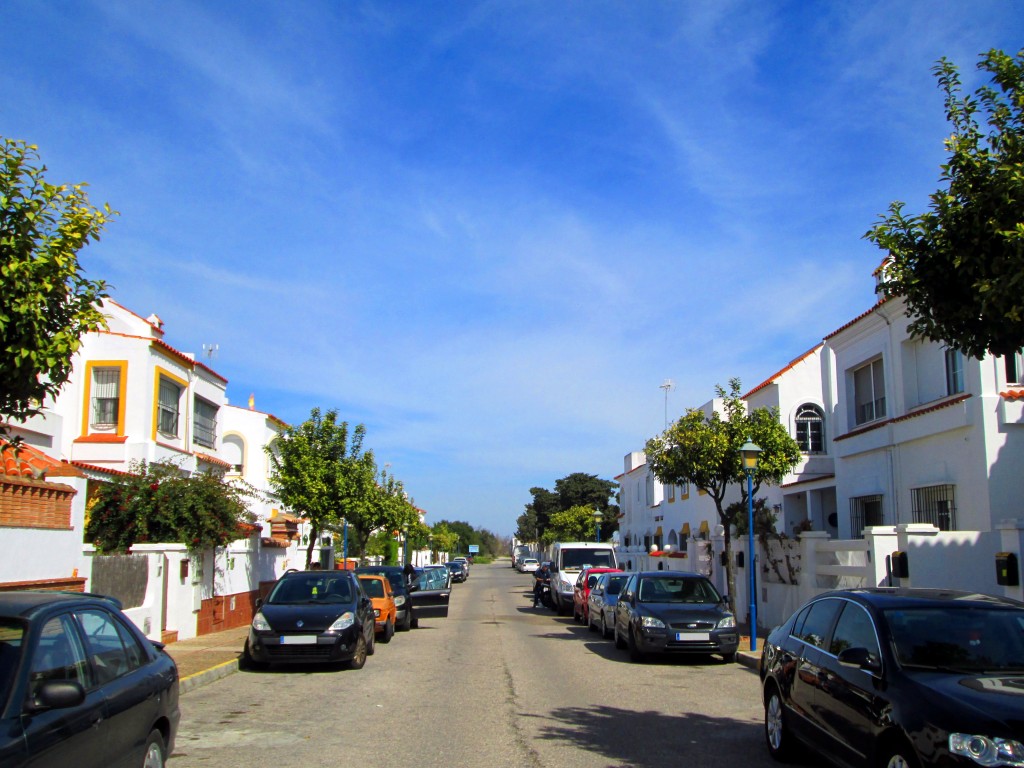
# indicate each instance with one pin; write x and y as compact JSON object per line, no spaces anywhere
{"x":668,"y":385}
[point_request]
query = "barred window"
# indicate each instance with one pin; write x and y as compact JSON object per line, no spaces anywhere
{"x":167,"y":408}
{"x":106,"y":396}
{"x":865,"y":511}
{"x":204,"y":428}
{"x":935,"y":504}
{"x":810,"y":429}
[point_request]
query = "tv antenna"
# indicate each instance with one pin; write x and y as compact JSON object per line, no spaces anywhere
{"x":210,"y":350}
{"x":668,"y":385}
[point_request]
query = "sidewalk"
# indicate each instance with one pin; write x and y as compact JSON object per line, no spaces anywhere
{"x":207,"y":658}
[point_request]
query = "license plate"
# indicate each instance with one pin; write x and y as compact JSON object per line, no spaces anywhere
{"x":694,"y":636}
{"x":298,"y":639}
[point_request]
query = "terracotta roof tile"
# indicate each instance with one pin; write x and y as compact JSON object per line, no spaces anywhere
{"x":1012,"y":394}
{"x":212,"y":460}
{"x":777,"y":374}
{"x":30,"y":462}
{"x":857,"y":319}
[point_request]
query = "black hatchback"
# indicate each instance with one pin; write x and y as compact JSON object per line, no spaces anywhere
{"x":81,"y":685}
{"x":311,"y":617}
{"x":897,"y":678}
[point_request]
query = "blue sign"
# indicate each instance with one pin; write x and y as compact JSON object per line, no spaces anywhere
{"x":474,"y":549}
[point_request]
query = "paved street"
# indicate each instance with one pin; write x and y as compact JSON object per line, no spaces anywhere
{"x":497,"y":683}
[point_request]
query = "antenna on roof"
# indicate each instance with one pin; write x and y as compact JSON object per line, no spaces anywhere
{"x":210,"y":350}
{"x":668,"y":385}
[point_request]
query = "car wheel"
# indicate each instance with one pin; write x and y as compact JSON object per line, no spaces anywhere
{"x":153,"y":756}
{"x":414,"y":623}
{"x":248,"y":662}
{"x":561,"y":607}
{"x":898,"y":755}
{"x":619,"y":642}
{"x":729,"y":658}
{"x":635,"y":654}
{"x":388,"y":633}
{"x":776,"y":733}
{"x":604,"y":627}
{"x":371,"y":644}
{"x":359,"y":655}
{"x":590,"y":623}
{"x":406,"y":624}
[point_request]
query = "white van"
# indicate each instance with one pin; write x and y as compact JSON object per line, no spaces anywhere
{"x":568,"y":558}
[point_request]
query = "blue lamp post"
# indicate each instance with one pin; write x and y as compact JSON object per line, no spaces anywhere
{"x":405,"y":543}
{"x":597,"y":524}
{"x":344,"y":544}
{"x":748,"y":454}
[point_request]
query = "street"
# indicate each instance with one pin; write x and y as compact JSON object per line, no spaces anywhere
{"x":497,"y":682}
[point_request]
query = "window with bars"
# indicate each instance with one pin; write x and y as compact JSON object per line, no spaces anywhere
{"x":204,"y":423}
{"x":954,"y":372}
{"x":869,"y":392}
{"x":810,"y":429}
{"x":167,"y":408}
{"x":865,"y":511}
{"x":1014,"y":365}
{"x":935,"y":504}
{"x":106,"y":396}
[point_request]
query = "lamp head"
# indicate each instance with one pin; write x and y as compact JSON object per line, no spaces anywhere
{"x":749,"y":452}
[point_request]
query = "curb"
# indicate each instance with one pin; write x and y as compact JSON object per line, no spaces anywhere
{"x":191,"y":682}
{"x":749,"y":660}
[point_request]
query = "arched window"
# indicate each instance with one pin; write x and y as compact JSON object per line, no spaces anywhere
{"x":810,"y":428}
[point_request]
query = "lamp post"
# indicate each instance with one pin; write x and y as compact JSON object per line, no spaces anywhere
{"x":597,"y":524}
{"x":344,"y":544}
{"x":748,"y":454}
{"x":405,"y":543}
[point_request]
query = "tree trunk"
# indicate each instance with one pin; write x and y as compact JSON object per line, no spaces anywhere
{"x":730,"y":571}
{"x":314,"y":535}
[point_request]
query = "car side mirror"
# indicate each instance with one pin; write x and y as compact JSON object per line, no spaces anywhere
{"x":859,"y":658}
{"x":259,"y":602}
{"x":414,"y":588}
{"x":57,"y":694}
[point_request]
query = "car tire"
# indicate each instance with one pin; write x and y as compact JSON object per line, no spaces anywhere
{"x":729,"y":658}
{"x":406,"y":624}
{"x":248,"y":662}
{"x":590,"y":624}
{"x":635,"y":654}
{"x":897,"y":755}
{"x":414,"y":623}
{"x":776,"y":733}
{"x":358,"y":660}
{"x":604,"y":628}
{"x":619,"y":642}
{"x":154,"y":755}
{"x":388,"y":633}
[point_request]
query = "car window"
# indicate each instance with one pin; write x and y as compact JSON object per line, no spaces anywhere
{"x":590,"y":558}
{"x":818,"y":622}
{"x":12,"y":635}
{"x":614,"y":585}
{"x":963,"y":638}
{"x":591,"y":581}
{"x":432,"y":579}
{"x":373,"y":587}
{"x":105,"y":646}
{"x":312,"y":587}
{"x":630,"y":586}
{"x":58,"y":656}
{"x":855,"y":630}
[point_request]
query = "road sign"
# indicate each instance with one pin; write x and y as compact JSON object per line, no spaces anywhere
{"x":474,"y":549}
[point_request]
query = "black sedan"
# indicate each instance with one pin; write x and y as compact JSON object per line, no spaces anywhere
{"x":426,"y":596}
{"x":897,"y":678}
{"x":312,"y":616}
{"x":459,"y":570}
{"x":673,"y":612}
{"x":81,"y":685}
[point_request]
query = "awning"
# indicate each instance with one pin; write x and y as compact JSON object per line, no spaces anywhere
{"x":658,"y":532}
{"x":685,"y":531}
{"x":705,"y":528}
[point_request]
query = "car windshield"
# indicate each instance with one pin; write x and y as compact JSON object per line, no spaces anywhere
{"x":614,"y":585}
{"x":312,"y":587}
{"x":574,"y":559}
{"x":676,"y":589}
{"x":373,"y":587}
{"x":455,"y":566}
{"x":968,"y":639}
{"x":394,"y":576}
{"x":11,"y":634}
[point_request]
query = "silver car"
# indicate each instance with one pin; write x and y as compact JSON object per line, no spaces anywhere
{"x":601,"y":602}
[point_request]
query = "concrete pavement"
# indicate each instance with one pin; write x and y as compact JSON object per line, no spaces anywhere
{"x":207,"y":658}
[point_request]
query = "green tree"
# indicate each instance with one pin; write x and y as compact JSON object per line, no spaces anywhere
{"x":704,"y":452}
{"x":159,"y":503}
{"x":960,"y":266}
{"x":573,"y":524}
{"x":575,"y":489}
{"x":443,"y":539}
{"x":46,"y":303}
{"x":384,"y":505}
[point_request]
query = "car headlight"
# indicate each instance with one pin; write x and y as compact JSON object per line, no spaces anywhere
{"x":376,"y":613}
{"x":399,"y":601}
{"x":652,"y":622}
{"x":260,"y":623}
{"x":346,"y":620}
{"x":727,"y":623}
{"x":986,"y":751}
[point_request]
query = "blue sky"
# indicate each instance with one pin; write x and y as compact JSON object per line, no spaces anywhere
{"x":490,"y":230}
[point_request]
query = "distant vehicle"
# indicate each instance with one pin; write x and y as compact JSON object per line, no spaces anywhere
{"x":581,"y":592}
{"x":405,"y":619}
{"x":309,"y":617}
{"x":81,"y":685}
{"x":518,"y":554}
{"x":568,"y":558}
{"x":529,"y":565}
{"x":673,"y":612}
{"x":378,"y":589}
{"x":459,"y":570}
{"x":601,"y":602}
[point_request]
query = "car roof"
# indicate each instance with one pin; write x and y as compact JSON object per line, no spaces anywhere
{"x":903,"y":597}
{"x":673,"y":574}
{"x":379,"y":569}
{"x":25,"y":604}
{"x":375,"y":576}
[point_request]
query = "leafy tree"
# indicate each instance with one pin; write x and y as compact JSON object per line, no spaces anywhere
{"x":704,"y":452}
{"x":443,"y":539}
{"x":576,"y":489}
{"x":158,"y":503}
{"x":383,"y":505}
{"x":573,"y":524}
{"x":320,"y":471}
{"x":960,"y":266}
{"x":46,"y":304}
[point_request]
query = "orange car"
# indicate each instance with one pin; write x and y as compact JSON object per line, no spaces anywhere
{"x":378,"y":589}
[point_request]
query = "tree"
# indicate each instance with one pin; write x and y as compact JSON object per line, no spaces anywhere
{"x":320,"y":471}
{"x":576,"y":489}
{"x":46,"y":304}
{"x":704,"y":452}
{"x":443,"y":539}
{"x":384,"y":505}
{"x":960,"y":266}
{"x":573,"y":524}
{"x":158,"y":503}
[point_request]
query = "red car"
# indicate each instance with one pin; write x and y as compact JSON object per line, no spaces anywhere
{"x":587,"y":579}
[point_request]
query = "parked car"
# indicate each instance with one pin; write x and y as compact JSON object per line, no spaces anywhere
{"x":465,"y":560}
{"x":378,"y":589}
{"x":898,"y":677}
{"x":581,"y":591}
{"x":312,"y":616}
{"x":458,"y":569}
{"x":529,"y":565}
{"x":81,"y":685}
{"x":601,"y":602}
{"x":673,"y":612}
{"x":400,"y":589}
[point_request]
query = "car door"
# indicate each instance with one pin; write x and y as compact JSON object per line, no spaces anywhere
{"x":851,"y":700}
{"x":811,"y":632}
{"x":430,"y":593}
{"x":71,"y":735}
{"x":623,"y":606}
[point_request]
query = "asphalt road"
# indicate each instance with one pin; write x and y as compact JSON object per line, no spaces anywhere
{"x":496,"y":683}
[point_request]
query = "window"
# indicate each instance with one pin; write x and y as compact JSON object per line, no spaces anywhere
{"x":855,"y":630}
{"x":869,"y":392}
{"x":650,"y":490}
{"x":1014,"y":368}
{"x":935,"y":504}
{"x":954,"y":372}
{"x":671,"y":493}
{"x":112,"y":649}
{"x":814,"y":627}
{"x":810,"y":429}
{"x":106,"y":396}
{"x":167,"y":408}
{"x":684,"y":490}
{"x":865,"y":511}
{"x":204,"y":429}
{"x":58,"y":656}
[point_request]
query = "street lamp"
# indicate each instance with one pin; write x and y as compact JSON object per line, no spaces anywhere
{"x":748,"y":454}
{"x":405,"y":543}
{"x":344,"y":544}
{"x":597,"y":524}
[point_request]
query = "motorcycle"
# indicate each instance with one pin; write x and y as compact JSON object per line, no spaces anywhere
{"x":545,"y":592}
